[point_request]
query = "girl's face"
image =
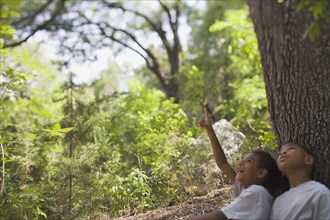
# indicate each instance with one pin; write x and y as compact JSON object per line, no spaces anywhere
{"x":248,"y":171}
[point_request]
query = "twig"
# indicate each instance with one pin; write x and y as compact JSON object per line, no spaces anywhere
{"x":3,"y":169}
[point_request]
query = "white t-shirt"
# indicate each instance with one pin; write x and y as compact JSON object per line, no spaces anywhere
{"x":254,"y":202}
{"x":237,"y":188}
{"x":310,"y":200}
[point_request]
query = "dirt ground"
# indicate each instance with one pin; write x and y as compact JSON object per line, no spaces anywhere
{"x":214,"y":200}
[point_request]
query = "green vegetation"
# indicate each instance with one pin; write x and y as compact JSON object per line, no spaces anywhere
{"x":75,"y":151}
{"x":246,"y":106}
{"x":125,"y":155}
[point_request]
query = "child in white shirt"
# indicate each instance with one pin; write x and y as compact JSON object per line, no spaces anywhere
{"x":306,"y":199}
{"x":257,"y":173}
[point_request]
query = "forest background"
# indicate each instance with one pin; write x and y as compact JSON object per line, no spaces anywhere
{"x":77,"y":150}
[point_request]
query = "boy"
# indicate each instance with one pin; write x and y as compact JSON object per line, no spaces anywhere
{"x":306,"y":199}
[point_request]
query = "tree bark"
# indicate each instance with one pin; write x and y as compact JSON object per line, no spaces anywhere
{"x":297,"y":77}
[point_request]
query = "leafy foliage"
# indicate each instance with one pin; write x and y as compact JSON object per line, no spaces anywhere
{"x":227,"y":54}
{"x":152,"y":134}
{"x":247,"y":108}
{"x":78,"y":151}
{"x":125,"y":156}
{"x":320,"y":11}
{"x":15,"y":78}
{"x":192,"y":90}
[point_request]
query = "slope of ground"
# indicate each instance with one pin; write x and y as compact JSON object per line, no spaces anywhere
{"x":214,"y":200}
{"x":207,"y":180}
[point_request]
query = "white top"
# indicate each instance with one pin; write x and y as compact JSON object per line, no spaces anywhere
{"x":237,"y":188}
{"x":310,"y":200}
{"x":254,"y":202}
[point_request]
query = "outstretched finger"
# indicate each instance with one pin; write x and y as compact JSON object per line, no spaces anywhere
{"x":206,"y":114}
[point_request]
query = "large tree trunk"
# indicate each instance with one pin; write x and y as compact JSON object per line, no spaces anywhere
{"x":297,"y":78}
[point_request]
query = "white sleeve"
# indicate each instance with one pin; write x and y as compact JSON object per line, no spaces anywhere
{"x":252,"y":203}
{"x":240,"y":207}
{"x":322,"y":210}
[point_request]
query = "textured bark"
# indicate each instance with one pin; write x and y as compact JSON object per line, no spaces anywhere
{"x":297,"y":77}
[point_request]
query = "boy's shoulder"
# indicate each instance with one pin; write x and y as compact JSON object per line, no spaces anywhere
{"x":310,"y":188}
{"x":299,"y":202}
{"x":315,"y":186}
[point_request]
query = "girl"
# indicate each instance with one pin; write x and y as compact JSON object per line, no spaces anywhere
{"x":257,"y":174}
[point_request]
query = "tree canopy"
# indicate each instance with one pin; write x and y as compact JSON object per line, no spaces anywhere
{"x":123,"y":144}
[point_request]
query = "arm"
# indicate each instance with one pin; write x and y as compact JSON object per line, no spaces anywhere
{"x":216,"y":215}
{"x":321,"y":207}
{"x":219,"y":155}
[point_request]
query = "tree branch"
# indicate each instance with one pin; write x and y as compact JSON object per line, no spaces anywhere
{"x":43,"y":26}
{"x":3,"y":169}
{"x":174,"y":54}
{"x":167,"y":10}
{"x":161,"y":33}
{"x":31,"y":17}
{"x":154,"y":67}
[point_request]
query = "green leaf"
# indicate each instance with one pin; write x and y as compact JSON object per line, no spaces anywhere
{"x":32,"y":136}
{"x":314,"y":31}
{"x":56,"y":133}
{"x":44,"y":113}
{"x":230,"y":49}
{"x":25,"y":54}
{"x":301,"y":4}
{"x":316,"y":9}
{"x":7,"y":160}
{"x":65,"y":130}
{"x":56,"y":127}
{"x":220,"y":25}
{"x":3,"y":140}
{"x":15,"y":14}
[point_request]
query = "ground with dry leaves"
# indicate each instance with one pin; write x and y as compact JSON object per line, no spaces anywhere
{"x":214,"y":200}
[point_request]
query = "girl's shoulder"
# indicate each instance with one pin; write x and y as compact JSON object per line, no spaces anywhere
{"x":257,"y":189}
{"x":238,"y":189}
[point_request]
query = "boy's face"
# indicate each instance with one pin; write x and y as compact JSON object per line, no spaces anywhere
{"x":292,"y":156}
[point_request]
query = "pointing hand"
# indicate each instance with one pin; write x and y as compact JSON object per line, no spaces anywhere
{"x":205,"y":122}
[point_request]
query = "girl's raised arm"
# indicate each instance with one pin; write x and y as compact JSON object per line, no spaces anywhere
{"x":219,"y":155}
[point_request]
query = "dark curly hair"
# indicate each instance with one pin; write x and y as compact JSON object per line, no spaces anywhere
{"x":273,"y":179}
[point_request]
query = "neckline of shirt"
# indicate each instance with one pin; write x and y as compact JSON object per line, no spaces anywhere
{"x":301,"y":185}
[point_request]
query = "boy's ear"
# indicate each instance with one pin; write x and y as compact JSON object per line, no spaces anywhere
{"x":261,"y":173}
{"x":309,"y":160}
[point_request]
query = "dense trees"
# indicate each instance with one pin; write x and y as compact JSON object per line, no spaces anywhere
{"x":296,"y":70}
{"x":81,"y":150}
{"x":123,"y":153}
{"x":84,"y":27}
{"x":226,"y":52}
